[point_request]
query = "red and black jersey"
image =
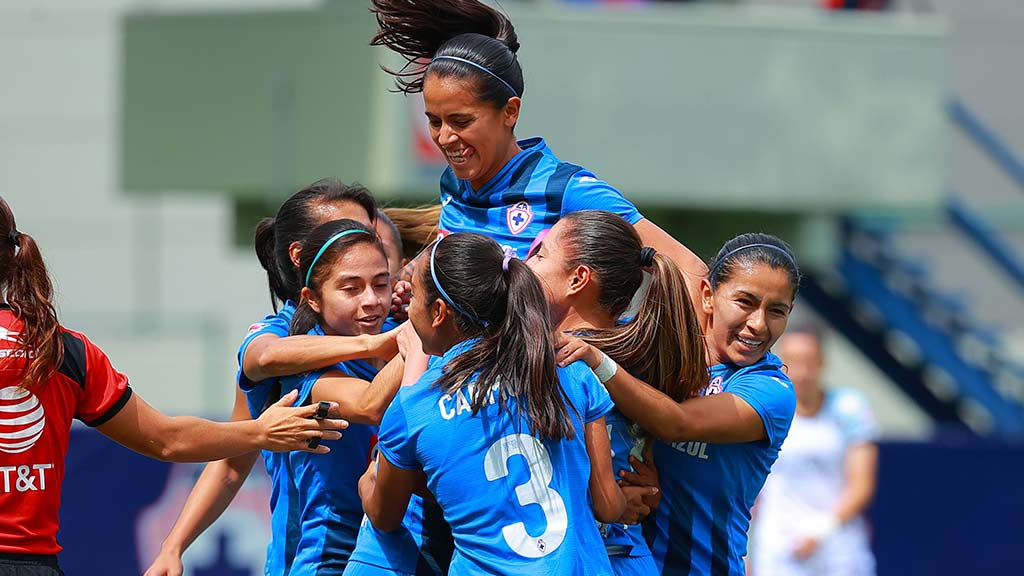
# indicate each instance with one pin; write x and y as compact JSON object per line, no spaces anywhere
{"x":34,"y":429}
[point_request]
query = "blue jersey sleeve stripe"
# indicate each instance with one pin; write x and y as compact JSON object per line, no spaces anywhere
{"x":554,"y":192}
{"x":517,"y":191}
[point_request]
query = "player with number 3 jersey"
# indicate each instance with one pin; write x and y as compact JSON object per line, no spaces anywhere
{"x":506,"y":442}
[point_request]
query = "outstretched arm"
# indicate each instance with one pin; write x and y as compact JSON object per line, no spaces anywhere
{"x":269,"y":356}
{"x":720,"y":418}
{"x":280,"y":428}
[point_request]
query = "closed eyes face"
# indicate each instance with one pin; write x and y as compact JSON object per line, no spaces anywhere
{"x":749,"y":313}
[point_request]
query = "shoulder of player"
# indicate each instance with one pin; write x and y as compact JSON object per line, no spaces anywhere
{"x":767,"y":379}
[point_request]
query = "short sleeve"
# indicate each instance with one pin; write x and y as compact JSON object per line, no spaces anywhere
{"x":105,"y":390}
{"x":276,"y":324}
{"x":393,"y":439}
{"x":586,"y":191}
{"x":302,"y":382}
{"x":854,"y":415}
{"x":596,"y":401}
{"x":772,"y":397}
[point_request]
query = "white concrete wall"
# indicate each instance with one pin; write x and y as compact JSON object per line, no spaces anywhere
{"x":154,"y":281}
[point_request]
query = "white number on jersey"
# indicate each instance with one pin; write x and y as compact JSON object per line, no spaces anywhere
{"x":535,"y":491}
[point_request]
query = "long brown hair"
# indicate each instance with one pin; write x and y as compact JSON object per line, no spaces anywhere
{"x":507,"y":310}
{"x":29,"y":293}
{"x":662,"y":345}
{"x":417,"y":226}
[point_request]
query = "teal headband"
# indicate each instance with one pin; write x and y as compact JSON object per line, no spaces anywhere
{"x":326,"y":246}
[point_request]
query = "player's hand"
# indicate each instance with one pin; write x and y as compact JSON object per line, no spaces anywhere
{"x":284,"y":428}
{"x":571,"y":349}
{"x":408,"y":340}
{"x":645,"y":475}
{"x":166,"y":564}
{"x":385,"y":344}
{"x":636,"y":508}
{"x":400,"y":298}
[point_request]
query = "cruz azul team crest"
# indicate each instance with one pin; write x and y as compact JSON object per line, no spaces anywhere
{"x":518,"y":216}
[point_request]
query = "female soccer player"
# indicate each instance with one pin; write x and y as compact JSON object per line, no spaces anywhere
{"x":49,"y":375}
{"x":267,"y":353}
{"x":715,"y":451}
{"x":591,"y":264}
{"x":462,"y":56}
{"x":809,"y":518}
{"x":346,"y":292}
{"x":494,"y":425}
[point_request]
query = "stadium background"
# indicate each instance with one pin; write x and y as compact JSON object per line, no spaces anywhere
{"x":141,"y":140}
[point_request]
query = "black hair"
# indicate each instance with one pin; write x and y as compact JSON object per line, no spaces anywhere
{"x":754,"y":248}
{"x":305,"y":317}
{"x":509,"y":313}
{"x":424,"y":31}
{"x":296,"y":217}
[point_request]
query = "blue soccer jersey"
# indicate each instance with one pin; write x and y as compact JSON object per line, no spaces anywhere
{"x":516,"y":504}
{"x":700,"y":527}
{"x":284,"y":512}
{"x":327,"y":484}
{"x":528,"y":195}
{"x":421,"y":545}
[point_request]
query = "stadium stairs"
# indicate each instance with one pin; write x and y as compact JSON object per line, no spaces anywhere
{"x":889,"y":306}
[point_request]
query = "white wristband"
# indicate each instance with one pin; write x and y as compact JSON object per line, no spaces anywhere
{"x":606,"y":369}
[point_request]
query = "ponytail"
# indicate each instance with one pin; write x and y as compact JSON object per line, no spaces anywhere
{"x":29,"y":292}
{"x":460,"y":38}
{"x":662,"y":345}
{"x":507,"y":310}
{"x":263,"y":242}
{"x":416,"y":226}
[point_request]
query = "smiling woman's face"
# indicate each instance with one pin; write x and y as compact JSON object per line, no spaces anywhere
{"x":748,"y":313}
{"x":354,"y":297}
{"x":474,"y":136}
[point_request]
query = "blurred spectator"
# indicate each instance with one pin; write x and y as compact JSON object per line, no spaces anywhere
{"x":809,"y":517}
{"x":854,"y":4}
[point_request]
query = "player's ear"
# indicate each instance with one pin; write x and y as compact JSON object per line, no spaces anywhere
{"x":309,"y":296}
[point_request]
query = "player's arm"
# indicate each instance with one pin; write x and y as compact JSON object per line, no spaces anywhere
{"x":385,"y":493}
{"x":358,"y":400}
{"x":280,"y":428}
{"x":608,"y":500}
{"x":210,"y":497}
{"x":690,"y":264}
{"x":719,"y":418}
{"x":861,"y":476}
{"x":268,"y":356}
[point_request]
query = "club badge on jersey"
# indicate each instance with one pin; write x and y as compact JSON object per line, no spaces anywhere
{"x":518,"y":216}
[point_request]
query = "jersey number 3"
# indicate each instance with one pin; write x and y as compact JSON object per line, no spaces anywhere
{"x":535,"y":491}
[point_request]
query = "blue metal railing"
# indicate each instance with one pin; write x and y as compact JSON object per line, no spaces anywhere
{"x":971,"y":224}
